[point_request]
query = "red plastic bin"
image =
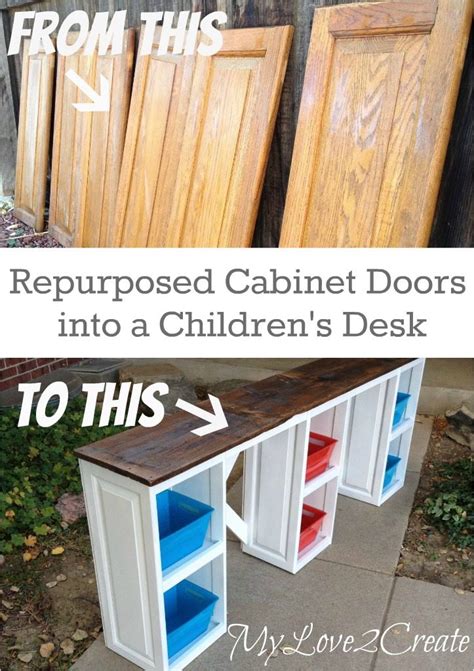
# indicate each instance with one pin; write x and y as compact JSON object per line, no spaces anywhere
{"x":319,"y":453}
{"x":311,"y":522}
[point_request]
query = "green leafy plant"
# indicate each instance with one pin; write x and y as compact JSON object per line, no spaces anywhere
{"x":37,"y":466}
{"x":451,"y":507}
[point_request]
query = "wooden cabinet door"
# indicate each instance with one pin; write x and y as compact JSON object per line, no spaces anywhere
{"x":37,"y":81}
{"x":376,"y":111}
{"x":88,"y":146}
{"x":198,"y":140}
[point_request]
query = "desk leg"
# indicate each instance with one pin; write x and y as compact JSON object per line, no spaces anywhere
{"x":372,"y":436}
{"x":273,"y":496}
{"x":123,"y":531}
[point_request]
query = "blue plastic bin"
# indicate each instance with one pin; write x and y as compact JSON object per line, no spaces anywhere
{"x":400,"y":407}
{"x":390,"y":470}
{"x":188,"y":612}
{"x":183,"y":524}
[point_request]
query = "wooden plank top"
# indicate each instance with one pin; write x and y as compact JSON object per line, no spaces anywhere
{"x":154,"y":455}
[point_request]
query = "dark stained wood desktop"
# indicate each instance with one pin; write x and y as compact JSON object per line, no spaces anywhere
{"x":154,"y":455}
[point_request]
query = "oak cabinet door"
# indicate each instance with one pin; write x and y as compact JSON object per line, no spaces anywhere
{"x":88,"y":146}
{"x":377,"y":106}
{"x":34,"y":128}
{"x":197,"y":143}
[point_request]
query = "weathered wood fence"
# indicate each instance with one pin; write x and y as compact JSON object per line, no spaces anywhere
{"x":454,"y":223}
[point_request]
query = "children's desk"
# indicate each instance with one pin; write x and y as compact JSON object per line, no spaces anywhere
{"x":352,"y":400}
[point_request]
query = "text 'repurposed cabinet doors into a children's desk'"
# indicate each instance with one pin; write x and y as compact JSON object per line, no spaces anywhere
{"x":377,"y":106}
{"x":198,"y":139}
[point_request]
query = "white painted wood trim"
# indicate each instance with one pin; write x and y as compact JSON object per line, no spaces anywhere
{"x":190,"y":565}
{"x":312,"y":485}
{"x":230,"y":461}
{"x":299,"y":476}
{"x":405,"y":425}
{"x":383,"y":445}
{"x":236,"y":524}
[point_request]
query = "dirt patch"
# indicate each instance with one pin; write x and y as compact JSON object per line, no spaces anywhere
{"x":427,"y":554}
{"x":67,"y":613}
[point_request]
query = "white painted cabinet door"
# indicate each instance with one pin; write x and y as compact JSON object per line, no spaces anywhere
{"x":272,"y":496}
{"x":124,"y":536}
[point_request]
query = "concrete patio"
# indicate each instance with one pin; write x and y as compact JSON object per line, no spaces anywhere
{"x":349,"y":590}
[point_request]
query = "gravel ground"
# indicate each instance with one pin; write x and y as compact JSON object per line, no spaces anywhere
{"x":14,"y":233}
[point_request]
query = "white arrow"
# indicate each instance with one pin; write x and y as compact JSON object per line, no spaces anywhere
{"x":217,"y":419}
{"x":100,"y":101}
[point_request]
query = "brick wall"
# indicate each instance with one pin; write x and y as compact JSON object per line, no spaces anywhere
{"x":14,"y":371}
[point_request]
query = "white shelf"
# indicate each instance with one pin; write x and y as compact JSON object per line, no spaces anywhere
{"x":320,"y":480}
{"x":403,"y":426}
{"x":182,"y":569}
{"x":194,"y":649}
{"x":312,"y":550}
